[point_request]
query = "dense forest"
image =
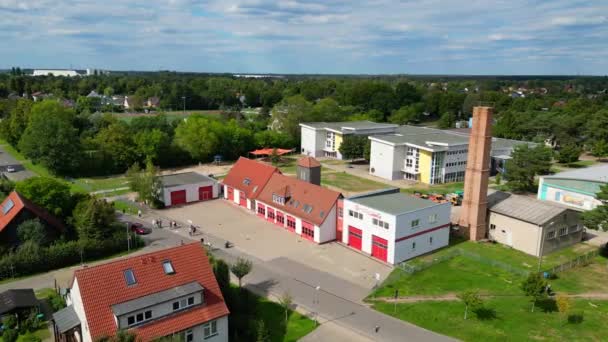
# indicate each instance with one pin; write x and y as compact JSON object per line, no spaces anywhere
{"x":79,"y":137}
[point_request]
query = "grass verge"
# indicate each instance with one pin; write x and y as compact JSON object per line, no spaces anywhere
{"x":439,"y":188}
{"x":350,"y":183}
{"x":506,"y":319}
{"x":127,"y":207}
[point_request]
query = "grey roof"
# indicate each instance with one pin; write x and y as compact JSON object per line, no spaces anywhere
{"x":156,"y":298}
{"x":524,"y":208}
{"x":598,"y":173}
{"x":392,"y":201}
{"x":346,"y":126}
{"x":17,"y":299}
{"x":429,"y":138}
{"x":184,"y":178}
{"x":66,"y":319}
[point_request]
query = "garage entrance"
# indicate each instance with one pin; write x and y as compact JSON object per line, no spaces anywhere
{"x":354,"y":237}
{"x":178,"y":197}
{"x":280,"y":219}
{"x":308,"y":231}
{"x":205,"y":193}
{"x":291,"y":223}
{"x":270,"y":215}
{"x":230,"y":194}
{"x":379,"y":248}
{"x":242,"y":199}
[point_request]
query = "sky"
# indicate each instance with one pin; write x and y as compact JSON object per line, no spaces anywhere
{"x":503,"y":37}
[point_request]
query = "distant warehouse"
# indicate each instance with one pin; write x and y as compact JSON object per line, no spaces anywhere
{"x":577,"y":188}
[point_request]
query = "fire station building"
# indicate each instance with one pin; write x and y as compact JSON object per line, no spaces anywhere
{"x":245,"y":181}
{"x":394,"y":227}
{"x":187,"y":187}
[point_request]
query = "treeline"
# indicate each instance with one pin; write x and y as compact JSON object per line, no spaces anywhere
{"x":68,"y":143}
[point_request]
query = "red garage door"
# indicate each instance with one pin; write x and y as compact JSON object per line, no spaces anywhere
{"x":261,"y":210}
{"x":379,"y":248}
{"x":308,"y":231}
{"x":205,"y":193}
{"x":270,"y":215}
{"x":354,"y":237}
{"x":230,"y":194}
{"x":242,"y":199}
{"x":280,"y":219}
{"x":291,"y":223}
{"x":178,"y":197}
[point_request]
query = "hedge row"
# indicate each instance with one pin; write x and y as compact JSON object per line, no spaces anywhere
{"x":30,"y":258}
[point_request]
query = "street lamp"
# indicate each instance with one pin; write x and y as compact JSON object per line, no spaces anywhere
{"x":316,"y":301}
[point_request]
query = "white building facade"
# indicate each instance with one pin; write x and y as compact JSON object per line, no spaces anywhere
{"x":577,"y":188}
{"x":393,"y":227}
{"x":187,"y":187}
{"x":323,"y":139}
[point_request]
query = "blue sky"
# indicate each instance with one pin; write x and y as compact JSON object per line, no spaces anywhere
{"x":316,"y":36}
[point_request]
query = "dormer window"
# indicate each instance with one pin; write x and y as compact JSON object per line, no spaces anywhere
{"x":278,"y":199}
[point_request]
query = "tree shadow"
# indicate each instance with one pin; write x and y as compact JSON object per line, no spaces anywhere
{"x":485,"y":314}
{"x":576,"y":318}
{"x":547,"y":305}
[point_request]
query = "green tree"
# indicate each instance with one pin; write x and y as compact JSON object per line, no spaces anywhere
{"x":197,"y":138}
{"x":534,"y":286}
{"x":262,"y":334}
{"x":563,"y":304}
{"x":353,"y":147}
{"x":50,"y":138}
{"x":116,"y":145}
{"x":150,"y":144}
{"x":94,"y":219}
{"x":274,"y":157}
{"x":273,"y":139}
{"x":289,"y":113}
{"x":568,"y":154}
{"x":32,"y":230}
{"x":13,"y":127}
{"x":145,"y":182}
{"x":471,"y":299}
{"x":221,"y":270}
{"x":525,"y":164}
{"x":447,"y":120}
{"x":597,"y":218}
{"x":49,"y":193}
{"x":407,"y":114}
{"x":327,"y":110}
{"x":286,"y":301}
{"x":600,"y":149}
{"x":241,"y":268}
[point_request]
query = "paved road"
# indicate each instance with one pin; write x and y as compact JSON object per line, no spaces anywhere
{"x":346,"y":316}
{"x":7,"y":160}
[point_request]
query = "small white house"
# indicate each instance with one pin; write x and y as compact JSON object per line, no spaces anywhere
{"x":394,"y":227}
{"x":186,"y":187}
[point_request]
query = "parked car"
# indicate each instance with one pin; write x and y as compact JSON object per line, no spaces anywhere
{"x":139,"y":228}
{"x":10,"y":169}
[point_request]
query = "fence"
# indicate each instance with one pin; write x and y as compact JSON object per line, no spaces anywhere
{"x":581,"y":260}
{"x":415,"y":268}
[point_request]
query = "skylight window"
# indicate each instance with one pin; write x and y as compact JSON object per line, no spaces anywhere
{"x":8,"y":206}
{"x":130,"y":277}
{"x":307,"y":208}
{"x":322,"y":213}
{"x":247,"y":181}
{"x":168,"y":267}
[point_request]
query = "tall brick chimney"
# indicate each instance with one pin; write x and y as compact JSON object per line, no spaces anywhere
{"x":475,"y":201}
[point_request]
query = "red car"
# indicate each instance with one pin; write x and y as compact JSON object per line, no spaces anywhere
{"x":139,"y":228}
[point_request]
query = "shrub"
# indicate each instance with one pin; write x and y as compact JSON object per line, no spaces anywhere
{"x":604,"y":250}
{"x":56,"y":301}
{"x":29,"y":337}
{"x":10,"y":335}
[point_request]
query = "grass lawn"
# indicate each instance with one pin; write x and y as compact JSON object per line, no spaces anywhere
{"x":350,"y":183}
{"x":273,"y":315}
{"x":512,"y":320}
{"x":579,"y":164}
{"x":171,"y":115}
{"x":439,"y":188}
{"x":464,"y":272}
{"x":128,"y":207}
{"x":102,"y":183}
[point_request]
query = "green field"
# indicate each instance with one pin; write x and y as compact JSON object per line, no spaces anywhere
{"x":101,"y":183}
{"x":273,"y":315}
{"x":439,"y":188}
{"x":350,"y":183}
{"x":171,"y":115}
{"x":505,"y":319}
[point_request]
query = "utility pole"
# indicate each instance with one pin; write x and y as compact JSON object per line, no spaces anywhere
{"x":128,"y":238}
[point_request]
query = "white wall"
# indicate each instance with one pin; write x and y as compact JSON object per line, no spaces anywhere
{"x":222,"y":331}
{"x":514,"y":233}
{"x":327,"y":230}
{"x":75,"y":300}
{"x":405,"y":251}
{"x":368,"y":228}
{"x":386,"y":160}
{"x":570,"y":198}
{"x":312,"y":141}
{"x":191,"y":191}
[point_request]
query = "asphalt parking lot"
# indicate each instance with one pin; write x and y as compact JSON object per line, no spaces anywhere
{"x":327,"y":265}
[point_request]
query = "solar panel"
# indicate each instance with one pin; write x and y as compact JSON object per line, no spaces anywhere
{"x":8,"y":206}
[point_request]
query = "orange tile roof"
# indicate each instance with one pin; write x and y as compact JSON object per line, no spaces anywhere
{"x":308,"y":162}
{"x":257,"y":173}
{"x":20,"y":203}
{"x":301,"y":193}
{"x":104,"y":285}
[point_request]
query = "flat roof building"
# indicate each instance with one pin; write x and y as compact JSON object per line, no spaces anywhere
{"x":576,"y":188}
{"x":429,"y":155}
{"x":186,"y":187}
{"x":323,"y":139}
{"x":394,"y":227}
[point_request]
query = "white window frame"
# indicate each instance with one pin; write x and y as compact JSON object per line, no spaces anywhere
{"x":415,"y":223}
{"x":210,"y":329}
{"x":551,"y":235}
{"x":433,"y":218}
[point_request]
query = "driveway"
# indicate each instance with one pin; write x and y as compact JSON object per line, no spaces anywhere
{"x":284,"y":250}
{"x":20,"y":172}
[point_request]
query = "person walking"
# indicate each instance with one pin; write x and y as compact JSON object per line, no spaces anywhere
{"x":139,"y":213}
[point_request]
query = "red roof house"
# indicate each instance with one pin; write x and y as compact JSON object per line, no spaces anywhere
{"x":15,"y":210}
{"x":164,"y":293}
{"x":246,"y":180}
{"x":307,"y":209}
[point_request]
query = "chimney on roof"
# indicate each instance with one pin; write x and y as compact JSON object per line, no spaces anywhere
{"x":309,"y":170}
{"x":475,"y":201}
